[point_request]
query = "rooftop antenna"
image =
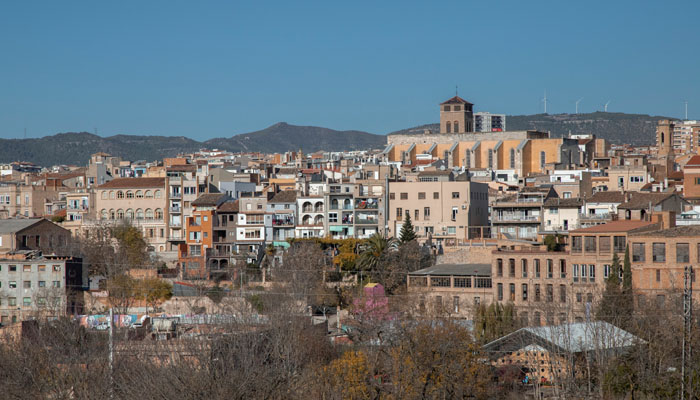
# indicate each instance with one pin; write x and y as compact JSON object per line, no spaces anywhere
{"x":686,"y":110}
{"x":456,"y":90}
{"x":578,"y":101}
{"x":605,"y":107}
{"x":544,"y":100}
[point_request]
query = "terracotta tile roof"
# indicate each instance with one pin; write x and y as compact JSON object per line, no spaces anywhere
{"x":640,"y":200}
{"x":285,"y":196}
{"x":456,"y":100}
{"x":567,"y":203}
{"x":615,"y":226}
{"x":607,"y":197}
{"x":678,"y":231}
{"x":694,"y":161}
{"x":209,"y":199}
{"x":129,"y":183}
{"x":228,"y":206}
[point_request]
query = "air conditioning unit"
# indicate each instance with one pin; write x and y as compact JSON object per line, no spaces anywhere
{"x":464,"y":206}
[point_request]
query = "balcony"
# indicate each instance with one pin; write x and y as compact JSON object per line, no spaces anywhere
{"x":366,"y":204}
{"x":366,"y":221}
{"x":597,"y":217}
{"x":175,"y":195}
{"x":282,"y":221}
{"x":516,"y":218}
{"x":175,"y":210}
{"x":175,"y":224}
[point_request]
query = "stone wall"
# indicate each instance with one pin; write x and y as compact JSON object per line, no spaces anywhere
{"x":463,"y":137}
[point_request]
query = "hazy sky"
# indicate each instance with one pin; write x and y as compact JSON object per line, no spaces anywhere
{"x":208,"y":69}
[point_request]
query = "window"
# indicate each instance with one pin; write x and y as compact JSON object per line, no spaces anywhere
{"x":589,"y":244}
{"x":456,"y":124}
{"x":404,"y":196}
{"x":12,"y":301}
{"x":455,"y":304}
{"x":399,"y":213}
{"x":512,"y":158}
{"x":523,"y":263}
{"x":579,"y":297}
{"x":591,"y":272}
{"x":550,"y":269}
{"x":448,"y":126}
{"x":576,"y":244}
{"x":606,"y":271}
{"x":439,"y":281}
{"x":462,"y":282}
{"x":129,"y":194}
{"x":550,"y":293}
{"x":490,"y":158}
{"x":13,"y":285}
{"x":392,"y":196}
{"x":13,"y":268}
{"x":139,"y":194}
{"x":554,"y":210}
{"x":499,"y":267}
{"x":562,"y":293}
{"x":512,"y":292}
{"x":537,"y":268}
{"x":421,"y":195}
{"x":524,"y":290}
{"x":426,"y":213}
{"x":27,"y":301}
{"x":619,"y":243}
{"x":416,"y":215}
{"x":455,"y":195}
{"x":26,"y":268}
{"x":451,"y":230}
{"x":638,"y":253}
{"x":658,"y":276}
{"x":682,"y":252}
{"x":120,"y":194}
{"x":575,"y":272}
{"x":454,"y":213}
{"x":421,"y":281}
{"x":27,"y":284}
{"x":511,"y":267}
{"x":500,"y":291}
{"x":584,"y":272}
{"x":447,"y":108}
{"x":658,"y":252}
{"x":604,"y":244}
{"x":543,"y":159}
{"x":660,"y":300}
{"x":589,"y":297}
{"x":438,"y":303}
{"x":562,"y":268}
{"x":537,"y":292}
{"x":536,"y":318}
{"x":42,"y":283}
{"x":196,"y":250}
{"x":436,"y":195}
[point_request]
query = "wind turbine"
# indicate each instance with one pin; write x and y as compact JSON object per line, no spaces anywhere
{"x":605,"y":107}
{"x":544,"y":100}
{"x":578,"y":101}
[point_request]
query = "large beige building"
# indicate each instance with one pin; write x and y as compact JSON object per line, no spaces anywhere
{"x":142,"y":201}
{"x":447,"y":210}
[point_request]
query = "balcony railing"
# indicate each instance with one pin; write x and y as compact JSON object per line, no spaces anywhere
{"x":595,"y":216}
{"x":175,"y":195}
{"x":283,"y":221}
{"x":366,"y":221}
{"x":516,"y":218}
{"x":175,"y":210}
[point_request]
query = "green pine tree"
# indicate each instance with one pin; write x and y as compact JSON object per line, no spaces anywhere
{"x":608,"y":306}
{"x":627,"y":272}
{"x":407,"y":231}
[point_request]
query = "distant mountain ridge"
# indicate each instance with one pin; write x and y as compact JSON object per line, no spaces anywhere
{"x":635,"y":129}
{"x":76,"y":148}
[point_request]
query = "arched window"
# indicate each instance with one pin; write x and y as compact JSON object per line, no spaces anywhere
{"x":139,"y":213}
{"x":158,"y":194}
{"x":112,"y":215}
{"x":456,"y":125}
{"x":149,"y":213}
{"x":512,"y":158}
{"x":104,"y":195}
{"x":120,"y":214}
{"x":448,"y":127}
{"x":139,"y":194}
{"x":306,"y":207}
{"x":334,"y":204}
{"x":111,"y":194}
{"x":662,"y":138}
{"x":149,"y":194}
{"x":347,"y":204}
{"x":120,"y":194}
{"x":159,"y":213}
{"x":103,"y":214}
{"x":306,"y":220}
{"x":318,"y":220}
{"x":129,"y":194}
{"x":129,"y":214}
{"x":318,"y":207}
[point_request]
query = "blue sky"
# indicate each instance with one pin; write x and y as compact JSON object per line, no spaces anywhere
{"x":213,"y":69}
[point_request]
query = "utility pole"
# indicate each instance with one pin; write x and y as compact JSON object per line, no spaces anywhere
{"x":111,"y":352}
{"x":687,"y":326}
